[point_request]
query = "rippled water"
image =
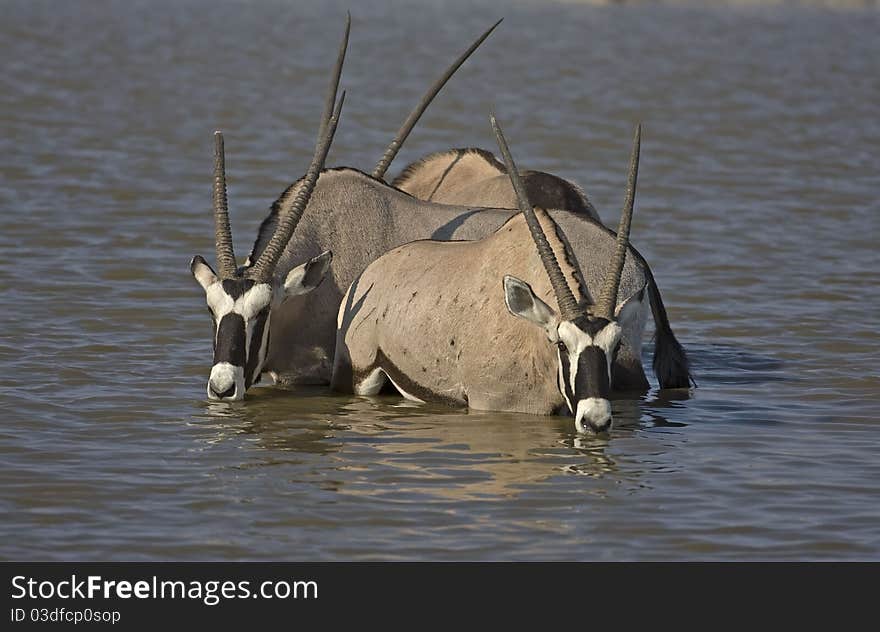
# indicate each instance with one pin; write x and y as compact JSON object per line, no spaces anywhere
{"x":758,"y":210}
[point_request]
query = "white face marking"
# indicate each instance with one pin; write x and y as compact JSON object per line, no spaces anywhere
{"x":560,"y":379}
{"x":595,"y":412}
{"x":223,"y":377}
{"x":248,"y":305}
{"x":218,"y":300}
{"x":576,"y":340}
{"x":607,"y":340}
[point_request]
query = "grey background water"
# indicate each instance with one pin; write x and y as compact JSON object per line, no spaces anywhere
{"x":757,"y":209}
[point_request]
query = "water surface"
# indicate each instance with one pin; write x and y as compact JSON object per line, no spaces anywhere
{"x":758,"y":210}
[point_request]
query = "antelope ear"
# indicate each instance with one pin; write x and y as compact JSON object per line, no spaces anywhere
{"x":629,"y":309}
{"x":522,"y":303}
{"x":202,"y":272}
{"x":306,"y":277}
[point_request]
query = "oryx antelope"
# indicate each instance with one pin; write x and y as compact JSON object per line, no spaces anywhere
{"x":361,"y":217}
{"x":241,"y":300}
{"x":473,"y":176}
{"x":437,"y":318}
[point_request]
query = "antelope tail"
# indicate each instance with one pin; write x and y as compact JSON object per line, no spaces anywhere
{"x":671,"y":365}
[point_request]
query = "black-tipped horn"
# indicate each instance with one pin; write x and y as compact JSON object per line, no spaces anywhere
{"x":416,"y":114}
{"x":226,"y":265}
{"x":568,"y":306}
{"x":608,"y":298}
{"x":289,"y":217}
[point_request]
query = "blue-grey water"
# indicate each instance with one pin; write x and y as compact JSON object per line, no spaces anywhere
{"x":758,"y":210}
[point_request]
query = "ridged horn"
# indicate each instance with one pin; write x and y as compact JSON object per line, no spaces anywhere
{"x":416,"y":114}
{"x":263,"y":269}
{"x":608,"y":299}
{"x":264,"y":266}
{"x":568,"y":306}
{"x":226,"y":265}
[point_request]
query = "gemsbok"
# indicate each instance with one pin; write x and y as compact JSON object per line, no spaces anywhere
{"x":502,"y":323}
{"x":360,"y":218}
{"x":473,"y":176}
{"x":240,"y":299}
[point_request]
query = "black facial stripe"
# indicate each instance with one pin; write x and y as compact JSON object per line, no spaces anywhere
{"x":236,"y":288}
{"x":590,"y":325}
{"x":592,"y":375}
{"x":566,"y":377}
{"x":213,"y":327}
{"x":230,"y":345}
{"x":256,"y":340}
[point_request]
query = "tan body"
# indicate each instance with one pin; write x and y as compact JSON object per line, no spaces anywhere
{"x":474,"y":177}
{"x":244,"y":301}
{"x":431,"y":316}
{"x":361,"y":218}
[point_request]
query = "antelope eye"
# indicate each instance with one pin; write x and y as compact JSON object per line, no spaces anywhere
{"x":561,"y":346}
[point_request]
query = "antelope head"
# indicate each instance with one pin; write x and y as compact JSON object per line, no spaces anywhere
{"x":240,"y":299}
{"x":586,"y":334}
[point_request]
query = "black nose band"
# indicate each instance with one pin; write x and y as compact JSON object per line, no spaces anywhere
{"x":230,"y":345}
{"x":251,"y":373}
{"x":592,"y":375}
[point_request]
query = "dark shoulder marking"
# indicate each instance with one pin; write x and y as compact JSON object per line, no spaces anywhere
{"x":549,"y":191}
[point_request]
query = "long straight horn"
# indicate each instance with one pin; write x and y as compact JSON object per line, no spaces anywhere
{"x":568,"y":306}
{"x":264,"y":267}
{"x":330,"y":101}
{"x":416,"y":114}
{"x":289,"y":218}
{"x":222,"y":232}
{"x":608,"y":299}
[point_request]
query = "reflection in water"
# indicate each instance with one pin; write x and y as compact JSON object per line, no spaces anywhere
{"x":424,"y":449}
{"x":480,"y":455}
{"x":758,"y":215}
{"x":657,"y":401}
{"x":277,"y":419}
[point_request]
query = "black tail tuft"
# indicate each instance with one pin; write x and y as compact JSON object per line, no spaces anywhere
{"x":671,"y":365}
